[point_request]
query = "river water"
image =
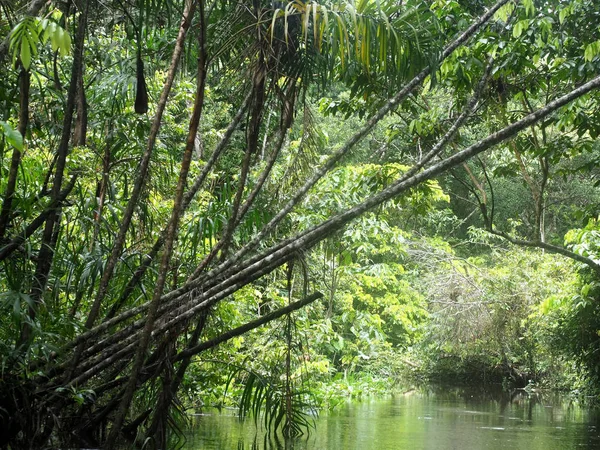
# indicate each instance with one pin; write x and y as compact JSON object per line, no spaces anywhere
{"x":431,"y":419}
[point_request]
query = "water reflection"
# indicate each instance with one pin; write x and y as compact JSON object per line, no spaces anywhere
{"x":431,"y":419}
{"x":268,"y":442}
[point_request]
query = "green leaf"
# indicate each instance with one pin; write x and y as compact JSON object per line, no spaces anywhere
{"x":276,"y":14}
{"x":25,"y":54}
{"x":23,"y":41}
{"x":59,"y":38}
{"x":66,"y":43}
{"x":520,"y":27}
{"x":564,"y":13}
{"x":13,"y":137}
{"x":529,"y":7}
{"x":504,"y":12}
{"x":585,"y":290}
{"x":591,"y":51}
{"x":25,"y":36}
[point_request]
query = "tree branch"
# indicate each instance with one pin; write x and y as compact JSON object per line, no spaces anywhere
{"x":247,"y":327}
{"x":549,"y":247}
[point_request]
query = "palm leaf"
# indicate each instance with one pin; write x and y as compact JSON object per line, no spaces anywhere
{"x":262,"y":398}
{"x":383,"y":37}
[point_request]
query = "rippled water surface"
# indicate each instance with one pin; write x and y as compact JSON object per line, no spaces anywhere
{"x":432,"y":419}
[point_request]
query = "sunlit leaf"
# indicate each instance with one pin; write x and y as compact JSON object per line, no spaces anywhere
{"x":13,"y":137}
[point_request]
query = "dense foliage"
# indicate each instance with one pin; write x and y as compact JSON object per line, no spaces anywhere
{"x":282,"y":204}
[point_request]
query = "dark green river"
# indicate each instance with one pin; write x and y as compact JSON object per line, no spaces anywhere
{"x":429,"y":419}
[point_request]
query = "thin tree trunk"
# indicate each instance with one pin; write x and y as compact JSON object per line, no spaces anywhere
{"x":5,"y":213}
{"x":169,"y":238}
{"x":80,"y":133}
{"x":36,"y":223}
{"x":142,"y":171}
{"x":157,"y":428}
{"x":256,"y":114}
{"x":189,"y":196}
{"x":104,"y":181}
{"x":476,"y":182}
{"x":263,"y":177}
{"x":287,"y":114}
{"x":230,"y":227}
{"x":288,"y":355}
{"x":46,"y":253}
{"x":266,"y":135}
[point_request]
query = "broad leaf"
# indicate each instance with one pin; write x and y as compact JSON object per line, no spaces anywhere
{"x":13,"y":137}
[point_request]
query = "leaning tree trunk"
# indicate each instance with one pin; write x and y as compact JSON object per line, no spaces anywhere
{"x":169,"y":238}
{"x":140,"y":178}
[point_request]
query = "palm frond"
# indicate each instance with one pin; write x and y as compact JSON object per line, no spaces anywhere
{"x":262,"y":400}
{"x":385,"y":41}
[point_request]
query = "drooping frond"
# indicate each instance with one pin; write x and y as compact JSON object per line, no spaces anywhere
{"x":262,"y":400}
{"x":361,"y":43}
